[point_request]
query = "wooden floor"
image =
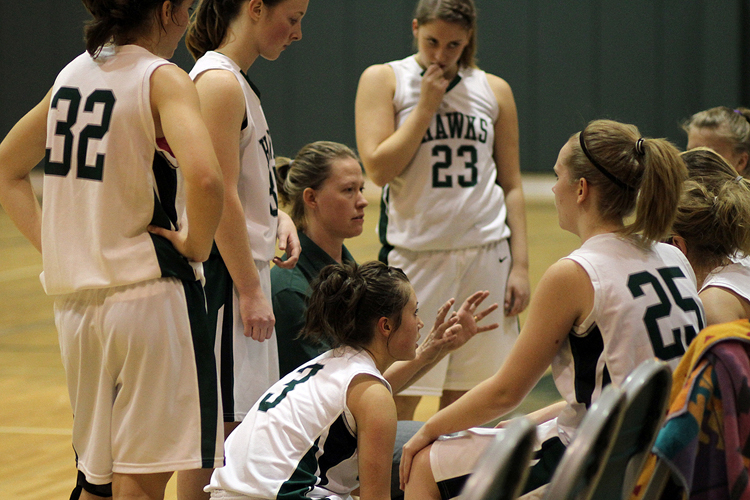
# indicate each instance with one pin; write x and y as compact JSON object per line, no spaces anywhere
{"x":36,"y":458}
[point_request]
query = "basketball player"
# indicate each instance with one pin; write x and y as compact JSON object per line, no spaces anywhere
{"x":226,"y":37}
{"x":620,"y":299}
{"x":725,"y":130}
{"x":441,"y":137}
{"x":112,"y":126}
{"x":712,"y":227}
{"x":329,"y":426}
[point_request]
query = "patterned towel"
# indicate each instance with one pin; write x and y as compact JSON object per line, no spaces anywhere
{"x":704,"y":440}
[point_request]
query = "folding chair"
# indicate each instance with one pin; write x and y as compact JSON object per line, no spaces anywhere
{"x":584,"y":460}
{"x":646,"y":391}
{"x":658,"y":482}
{"x":502,"y":469}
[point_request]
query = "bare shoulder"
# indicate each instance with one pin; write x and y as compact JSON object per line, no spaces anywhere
{"x":367,"y":392}
{"x":501,"y":89}
{"x":220,"y":84}
{"x":499,"y":85}
{"x":378,"y":76}
{"x":171,"y":77}
{"x":566,"y":282}
{"x":567,"y":270}
{"x":722,"y":305}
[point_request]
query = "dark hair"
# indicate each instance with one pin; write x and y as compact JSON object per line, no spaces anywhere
{"x":309,"y":169}
{"x":347,"y":300}
{"x":463,"y":12}
{"x":652,"y":176}
{"x":714,"y":211}
{"x":733,"y":125}
{"x":210,"y":24}
{"x":120,"y":21}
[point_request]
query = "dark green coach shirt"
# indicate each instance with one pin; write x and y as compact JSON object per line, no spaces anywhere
{"x":289,"y":289}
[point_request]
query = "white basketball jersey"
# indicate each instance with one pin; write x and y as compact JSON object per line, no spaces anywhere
{"x":299,"y":440}
{"x":447,"y":197}
{"x":105,"y":180}
{"x":645,"y":305}
{"x":257,"y":181}
{"x":734,"y":277}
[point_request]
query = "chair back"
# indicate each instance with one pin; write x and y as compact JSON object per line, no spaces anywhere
{"x":502,"y":469}
{"x":646,"y":391}
{"x":583,"y":462}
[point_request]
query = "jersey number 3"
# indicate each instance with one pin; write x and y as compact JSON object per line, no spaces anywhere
{"x":90,"y":131}
{"x":636,"y":284}
{"x":269,"y":401}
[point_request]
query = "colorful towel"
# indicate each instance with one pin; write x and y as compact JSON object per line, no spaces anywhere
{"x":705,"y":439}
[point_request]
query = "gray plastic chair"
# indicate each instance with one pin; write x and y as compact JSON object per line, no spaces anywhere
{"x":646,"y":391}
{"x":584,"y":460}
{"x":502,"y":469}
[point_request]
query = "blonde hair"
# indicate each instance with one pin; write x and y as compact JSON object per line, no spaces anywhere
{"x":309,"y":169}
{"x":732,"y":125}
{"x":713,"y":215}
{"x":648,"y":176}
{"x":462,"y":12}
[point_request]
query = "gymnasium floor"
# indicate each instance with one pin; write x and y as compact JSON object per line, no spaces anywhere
{"x":36,"y":458}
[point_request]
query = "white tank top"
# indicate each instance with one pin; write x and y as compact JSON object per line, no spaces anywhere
{"x":447,"y":197}
{"x":734,"y":277}
{"x":300,"y":439}
{"x":645,"y":305}
{"x":257,"y":181}
{"x":106,"y":179}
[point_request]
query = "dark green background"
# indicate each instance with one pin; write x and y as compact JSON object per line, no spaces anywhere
{"x":652,"y":63}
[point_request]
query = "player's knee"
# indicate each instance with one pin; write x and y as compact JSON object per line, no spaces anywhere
{"x":421,"y":468}
{"x":421,"y":483}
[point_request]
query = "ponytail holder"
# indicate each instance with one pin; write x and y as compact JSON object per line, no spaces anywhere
{"x":291,"y":162}
{"x":738,"y":179}
{"x":639,"y":147}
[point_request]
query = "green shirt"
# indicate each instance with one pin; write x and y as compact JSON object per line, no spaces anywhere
{"x":289,"y":290}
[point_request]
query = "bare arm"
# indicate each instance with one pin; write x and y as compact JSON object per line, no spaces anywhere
{"x":506,"y":153}
{"x":446,"y":336}
{"x":385,"y":150}
{"x":565,"y":289}
{"x":542,"y":414}
{"x":20,"y":151}
{"x":223,"y":107}
{"x":723,"y":305}
{"x":177,"y":112}
{"x":373,"y":408}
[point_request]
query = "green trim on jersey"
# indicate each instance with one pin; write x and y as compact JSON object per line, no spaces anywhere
{"x":303,"y":479}
{"x":205,"y":366}
{"x":383,"y":227}
{"x":171,"y":262}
